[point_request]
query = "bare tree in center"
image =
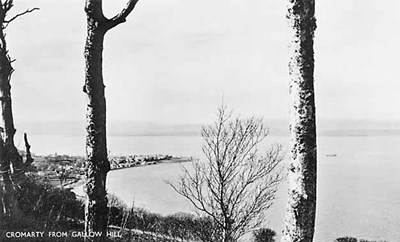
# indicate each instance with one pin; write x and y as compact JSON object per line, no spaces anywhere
{"x":12,"y":166}
{"x":96,"y":143}
{"x":235,"y":185}
{"x":302,"y":176}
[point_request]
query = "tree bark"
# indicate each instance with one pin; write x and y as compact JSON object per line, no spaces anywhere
{"x":97,"y":165}
{"x":6,"y":190}
{"x":96,"y":139}
{"x":12,"y":166}
{"x":227,"y":237}
{"x":302,"y":176}
{"x":10,"y":151}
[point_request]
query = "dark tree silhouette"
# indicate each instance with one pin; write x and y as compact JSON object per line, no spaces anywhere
{"x":12,"y":166}
{"x":96,"y":143}
{"x":302,"y":176}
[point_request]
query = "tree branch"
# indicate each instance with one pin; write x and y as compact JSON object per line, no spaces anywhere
{"x":235,"y":185}
{"x":7,"y":5}
{"x":29,"y":158}
{"x":20,"y":14}
{"x":121,"y":17}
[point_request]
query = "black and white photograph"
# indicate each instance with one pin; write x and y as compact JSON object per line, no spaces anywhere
{"x":199,"y":121}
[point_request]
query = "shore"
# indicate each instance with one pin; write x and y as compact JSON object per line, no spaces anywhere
{"x":152,"y":162}
{"x":69,"y":171}
{"x":77,"y":187}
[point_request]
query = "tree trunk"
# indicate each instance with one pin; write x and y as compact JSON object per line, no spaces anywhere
{"x":96,"y":140}
{"x":227,"y":237}
{"x":6,"y":190}
{"x":12,"y":166}
{"x":300,"y":217}
{"x":97,"y":165}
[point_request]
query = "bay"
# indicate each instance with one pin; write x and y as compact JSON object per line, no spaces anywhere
{"x":357,"y":181}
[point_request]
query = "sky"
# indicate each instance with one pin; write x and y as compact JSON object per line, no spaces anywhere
{"x":174,"y":61}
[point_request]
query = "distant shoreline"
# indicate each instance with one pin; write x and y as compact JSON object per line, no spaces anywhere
{"x":166,"y":161}
{"x":174,"y":160}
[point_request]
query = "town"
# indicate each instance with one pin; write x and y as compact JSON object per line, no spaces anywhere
{"x":67,"y":170}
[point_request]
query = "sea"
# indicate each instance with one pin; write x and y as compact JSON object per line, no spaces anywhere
{"x":358,"y":180}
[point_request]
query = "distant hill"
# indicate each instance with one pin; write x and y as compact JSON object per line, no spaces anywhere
{"x":276,"y":127}
{"x":358,"y":128}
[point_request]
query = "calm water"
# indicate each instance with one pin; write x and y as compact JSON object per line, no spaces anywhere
{"x":357,"y":190}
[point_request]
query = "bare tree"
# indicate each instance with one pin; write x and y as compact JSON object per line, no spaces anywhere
{"x":96,"y":143}
{"x":235,"y":185}
{"x":300,"y":217}
{"x":12,"y":166}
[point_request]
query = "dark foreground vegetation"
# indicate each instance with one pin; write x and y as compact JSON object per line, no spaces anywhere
{"x":45,"y":208}
{"x":49,"y":208}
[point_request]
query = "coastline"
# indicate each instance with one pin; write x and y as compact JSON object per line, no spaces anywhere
{"x":171,"y":160}
{"x":78,"y":186}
